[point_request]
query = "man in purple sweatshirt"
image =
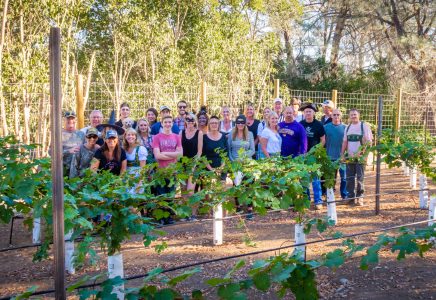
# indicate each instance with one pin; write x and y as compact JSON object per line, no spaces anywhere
{"x":293,"y":134}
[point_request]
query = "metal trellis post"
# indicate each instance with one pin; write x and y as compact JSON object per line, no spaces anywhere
{"x":377,"y":178}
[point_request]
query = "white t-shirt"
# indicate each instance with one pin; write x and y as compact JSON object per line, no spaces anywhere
{"x":353,"y":147}
{"x":261,"y":127}
{"x":142,"y":154}
{"x":274,"y":144}
{"x":299,"y":117}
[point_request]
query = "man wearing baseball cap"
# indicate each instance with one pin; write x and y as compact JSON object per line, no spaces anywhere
{"x":278,"y":108}
{"x":157,"y":127}
{"x":72,"y":139}
{"x":327,"y":108}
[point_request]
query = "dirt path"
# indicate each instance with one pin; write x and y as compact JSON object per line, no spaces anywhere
{"x":414,"y":278}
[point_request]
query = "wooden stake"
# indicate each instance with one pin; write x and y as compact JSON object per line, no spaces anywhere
{"x":80,"y":108}
{"x":56,"y":167}
{"x":203,"y":94}
{"x":276,"y":88}
{"x":335,"y":97}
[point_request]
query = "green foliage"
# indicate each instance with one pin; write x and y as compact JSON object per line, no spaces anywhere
{"x":275,"y":183}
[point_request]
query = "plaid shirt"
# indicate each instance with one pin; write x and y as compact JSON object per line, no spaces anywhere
{"x":180,"y":122}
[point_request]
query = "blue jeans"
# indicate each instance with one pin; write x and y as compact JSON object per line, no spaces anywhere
{"x":343,"y":185}
{"x":316,"y":185}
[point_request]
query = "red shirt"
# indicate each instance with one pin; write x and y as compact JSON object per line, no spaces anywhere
{"x":166,"y":143}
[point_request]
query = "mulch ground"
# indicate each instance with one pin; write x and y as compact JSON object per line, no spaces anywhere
{"x":188,"y":242}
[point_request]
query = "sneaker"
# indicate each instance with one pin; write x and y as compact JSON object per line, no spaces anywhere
{"x":249,"y":217}
{"x":192,"y":218}
{"x":360,"y":202}
{"x":168,"y":221}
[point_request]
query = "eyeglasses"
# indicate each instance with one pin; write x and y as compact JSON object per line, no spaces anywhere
{"x":189,"y":120}
{"x":240,"y":122}
{"x":182,"y":106}
{"x":92,"y":137}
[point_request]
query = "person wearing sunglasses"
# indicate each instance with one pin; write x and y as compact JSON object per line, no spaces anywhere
{"x":82,"y":160}
{"x":192,"y":144}
{"x":180,"y":119}
{"x":334,"y":136}
{"x":241,"y":138}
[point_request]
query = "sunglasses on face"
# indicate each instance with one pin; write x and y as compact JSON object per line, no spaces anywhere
{"x":189,"y":120}
{"x":240,"y":122}
{"x":92,"y":137}
{"x":336,"y":115}
{"x":182,"y":106}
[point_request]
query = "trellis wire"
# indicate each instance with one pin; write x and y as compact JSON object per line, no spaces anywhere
{"x":243,"y":255}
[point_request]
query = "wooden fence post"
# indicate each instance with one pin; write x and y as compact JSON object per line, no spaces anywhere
{"x":276,"y":88}
{"x":80,"y":108}
{"x":399,"y":99}
{"x":203,"y":93}
{"x":335,"y":97}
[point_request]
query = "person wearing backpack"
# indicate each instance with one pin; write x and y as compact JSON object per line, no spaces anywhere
{"x":357,"y":138}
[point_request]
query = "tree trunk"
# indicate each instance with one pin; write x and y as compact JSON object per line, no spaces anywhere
{"x":339,"y":29}
{"x":290,"y":62}
{"x":88,"y":79}
{"x":2,"y":41}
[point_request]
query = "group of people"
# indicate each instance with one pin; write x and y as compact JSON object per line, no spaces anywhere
{"x":287,"y":131}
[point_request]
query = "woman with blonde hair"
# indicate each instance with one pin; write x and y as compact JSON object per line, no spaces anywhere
{"x":213,"y":141}
{"x":145,"y":138}
{"x":241,"y":138}
{"x":135,"y":153}
{"x":260,"y":128}
{"x":270,"y":140}
{"x":226,"y":124}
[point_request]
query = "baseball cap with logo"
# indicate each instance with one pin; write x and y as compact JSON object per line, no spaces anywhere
{"x":163,"y":107}
{"x":111,"y":134}
{"x":91,"y":131}
{"x":328,"y":103}
{"x":69,"y":114}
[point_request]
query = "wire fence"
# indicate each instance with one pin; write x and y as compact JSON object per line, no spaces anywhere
{"x":28,"y":106}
